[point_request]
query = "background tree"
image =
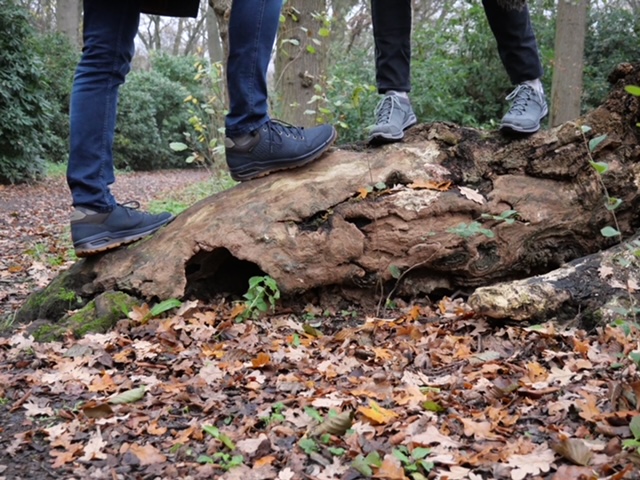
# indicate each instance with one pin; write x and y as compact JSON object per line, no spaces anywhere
{"x":566,"y":90}
{"x":68,"y":15}
{"x":301,"y":60}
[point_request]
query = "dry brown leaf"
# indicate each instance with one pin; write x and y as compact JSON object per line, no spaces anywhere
{"x":337,"y":425}
{"x":391,"y":469}
{"x":571,"y":472}
{"x":261,"y":360}
{"x":139,"y":314}
{"x":472,"y":195}
{"x":430,"y":185}
{"x":94,"y":409}
{"x":155,"y":429}
{"x":478,"y":430}
{"x":574,"y":450}
{"x":94,"y":449}
{"x":62,"y":458}
{"x":534,"y":463}
{"x":588,"y":408}
{"x":147,"y":454}
{"x":605,"y":271}
{"x":363,"y":192}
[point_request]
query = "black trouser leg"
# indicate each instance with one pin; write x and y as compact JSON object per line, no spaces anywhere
{"x":392,"y":35}
{"x":517,"y":44}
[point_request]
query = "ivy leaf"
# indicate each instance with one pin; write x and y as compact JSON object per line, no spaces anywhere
{"x":610,"y":232}
{"x":594,"y":142}
{"x":633,"y":90}
{"x":600,"y":167}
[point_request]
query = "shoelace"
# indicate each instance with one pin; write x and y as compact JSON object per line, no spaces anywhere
{"x":520,"y":96}
{"x":130,"y":205}
{"x":278,"y":128}
{"x":384,"y":109}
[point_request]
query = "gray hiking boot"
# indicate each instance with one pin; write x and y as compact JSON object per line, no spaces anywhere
{"x":527,"y":109}
{"x":393,"y":116}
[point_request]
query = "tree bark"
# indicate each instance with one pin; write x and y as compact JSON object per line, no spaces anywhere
{"x":214,"y":43}
{"x":566,"y":89}
{"x":68,"y":14}
{"x":301,"y":57}
{"x":404,"y":218}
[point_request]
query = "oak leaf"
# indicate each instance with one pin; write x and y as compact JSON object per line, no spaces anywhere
{"x":147,"y":454}
{"x":377,"y":414}
{"x":391,"y":469}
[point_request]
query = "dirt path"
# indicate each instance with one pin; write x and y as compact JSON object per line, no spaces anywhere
{"x":34,"y":234}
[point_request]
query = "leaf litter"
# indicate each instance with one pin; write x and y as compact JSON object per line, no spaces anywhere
{"x":429,"y":392}
{"x":196,"y":396}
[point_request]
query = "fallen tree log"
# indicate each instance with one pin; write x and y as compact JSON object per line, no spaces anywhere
{"x":449,"y":208}
{"x":600,"y":288}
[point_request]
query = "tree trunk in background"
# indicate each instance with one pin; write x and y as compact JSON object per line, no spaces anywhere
{"x":68,"y":14}
{"x":566,"y":91}
{"x":301,"y":60}
{"x":214,"y":43}
{"x":222,"y":9}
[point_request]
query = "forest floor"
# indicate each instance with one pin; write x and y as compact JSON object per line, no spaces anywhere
{"x":424,"y":389}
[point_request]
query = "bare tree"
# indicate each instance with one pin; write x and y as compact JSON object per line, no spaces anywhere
{"x":68,"y":16}
{"x":566,"y":91}
{"x":301,"y":59}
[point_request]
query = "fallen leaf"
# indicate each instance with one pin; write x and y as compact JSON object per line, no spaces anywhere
{"x":93,"y":409}
{"x":94,"y":449}
{"x":391,"y":469}
{"x":376,"y":413}
{"x":571,"y":472}
{"x":574,"y":450}
{"x":472,"y":195}
{"x":261,"y":360}
{"x":130,"y":396}
{"x":534,"y":463}
{"x":147,"y":454}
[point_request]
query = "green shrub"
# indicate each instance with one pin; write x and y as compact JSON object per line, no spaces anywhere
{"x":60,"y":58}
{"x":152,"y":114}
{"x":24,"y":108}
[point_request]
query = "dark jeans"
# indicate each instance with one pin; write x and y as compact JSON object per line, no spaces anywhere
{"x":110,"y":27}
{"x":512,"y":29}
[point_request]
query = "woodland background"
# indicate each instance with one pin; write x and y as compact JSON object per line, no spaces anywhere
{"x":322,"y":72}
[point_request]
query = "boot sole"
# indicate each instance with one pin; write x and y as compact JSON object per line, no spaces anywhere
{"x":281,"y":165}
{"x":96,"y":244}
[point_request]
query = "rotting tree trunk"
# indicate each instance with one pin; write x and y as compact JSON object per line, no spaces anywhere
{"x":316,"y":228}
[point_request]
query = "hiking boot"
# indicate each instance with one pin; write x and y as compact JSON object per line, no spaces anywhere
{"x":93,"y":232}
{"x":276,"y":146}
{"x":393,"y":116}
{"x":528,"y":108}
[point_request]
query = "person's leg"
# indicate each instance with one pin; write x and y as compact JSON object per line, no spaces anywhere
{"x":255,"y":144}
{"x":98,"y":223}
{"x":392,"y":36}
{"x":110,"y":27}
{"x":518,"y":50}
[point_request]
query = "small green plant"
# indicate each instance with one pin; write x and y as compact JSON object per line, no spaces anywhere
{"x":508,"y":216}
{"x":224,"y":459}
{"x":468,"y":230}
{"x":611,"y":203}
{"x":413,"y":462}
{"x":275,"y":416}
{"x":364,"y":464}
{"x":308,"y":445}
{"x":635,"y":91}
{"x":261,"y":297}
{"x":634,"y":426}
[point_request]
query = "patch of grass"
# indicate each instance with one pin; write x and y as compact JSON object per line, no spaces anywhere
{"x":177,"y":202}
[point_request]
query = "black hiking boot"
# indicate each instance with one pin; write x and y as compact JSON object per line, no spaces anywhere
{"x":93,"y":232}
{"x":276,"y":146}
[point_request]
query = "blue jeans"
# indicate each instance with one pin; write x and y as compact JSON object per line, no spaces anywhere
{"x":110,"y":27}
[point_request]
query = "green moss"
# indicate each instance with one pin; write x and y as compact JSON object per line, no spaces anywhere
{"x":97,"y":316}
